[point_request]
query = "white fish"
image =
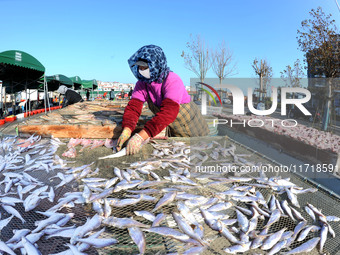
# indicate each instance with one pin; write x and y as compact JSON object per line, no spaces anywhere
{"x":158,"y":219}
{"x":31,"y":202}
{"x":51,"y":195}
{"x":10,"y":200}
{"x":29,"y":247}
{"x":4,"y":247}
{"x":107,"y":209}
{"x":323,"y":237}
{"x":51,"y":220}
{"x":305,"y":247}
{"x":3,"y":223}
{"x":18,"y":234}
{"x":85,"y":246}
{"x":32,"y":238}
{"x":90,"y":225}
{"x":138,"y":237}
{"x":65,"y":220}
{"x":13,"y":211}
{"x":98,"y":242}
{"x":166,"y":199}
{"x":146,"y":214}
{"x":120,"y":153}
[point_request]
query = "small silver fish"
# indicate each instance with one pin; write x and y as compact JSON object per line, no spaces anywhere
{"x":165,"y":231}
{"x":4,"y":222}
{"x":120,"y":153}
{"x":13,"y":211}
{"x":270,"y":241}
{"x":186,"y":228}
{"x":277,"y":247}
{"x":124,"y":223}
{"x":29,"y":247}
{"x":323,"y":237}
{"x":146,"y":214}
{"x":165,"y":200}
{"x":301,"y":225}
{"x":98,"y":242}
{"x":305,"y":247}
{"x":138,"y":237}
{"x":238,"y":248}
{"x":4,"y":247}
{"x":227,"y":234}
{"x":274,"y":217}
{"x":297,"y":214}
{"x":51,"y":220}
{"x":158,"y":220}
{"x":310,"y":212}
{"x":243,"y":221}
{"x":90,"y":225}
{"x":287,"y":209}
{"x":305,"y":232}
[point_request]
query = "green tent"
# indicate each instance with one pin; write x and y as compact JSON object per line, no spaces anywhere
{"x":54,"y":81}
{"x":77,"y":82}
{"x":89,"y":84}
{"x":19,"y":70}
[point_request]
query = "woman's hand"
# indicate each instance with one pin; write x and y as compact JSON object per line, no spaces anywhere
{"x":136,"y":142}
{"x":124,"y":136}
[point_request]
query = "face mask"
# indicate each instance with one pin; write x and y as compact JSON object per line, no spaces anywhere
{"x":145,"y":73}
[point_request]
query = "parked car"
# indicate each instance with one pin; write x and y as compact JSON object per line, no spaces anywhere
{"x":226,"y":100}
{"x":295,"y":113}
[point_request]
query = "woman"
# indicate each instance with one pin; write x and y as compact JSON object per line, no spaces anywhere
{"x":71,"y":97}
{"x":167,"y":98}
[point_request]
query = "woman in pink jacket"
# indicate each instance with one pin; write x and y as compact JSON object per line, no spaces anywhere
{"x":167,"y":98}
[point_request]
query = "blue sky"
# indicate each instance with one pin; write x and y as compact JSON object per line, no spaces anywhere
{"x":94,"y":39}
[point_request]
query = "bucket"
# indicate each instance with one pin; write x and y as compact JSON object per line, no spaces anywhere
{"x":212,"y":126}
{"x":20,"y":116}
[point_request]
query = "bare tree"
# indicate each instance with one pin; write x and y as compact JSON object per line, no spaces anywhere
{"x":319,"y":40}
{"x":198,"y":57}
{"x":222,"y":62}
{"x":265,"y":73}
{"x":292,"y":75}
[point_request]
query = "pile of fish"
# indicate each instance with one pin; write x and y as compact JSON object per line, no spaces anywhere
{"x":85,"y":143}
{"x":235,"y":209}
{"x":312,"y":136}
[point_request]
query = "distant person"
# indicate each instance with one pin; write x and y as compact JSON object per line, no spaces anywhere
{"x":70,"y":96}
{"x":122,"y":93}
{"x":130,"y":93}
{"x":261,"y":106}
{"x":104,"y":96}
{"x":87,"y":95}
{"x":112,"y":94}
{"x":55,"y":101}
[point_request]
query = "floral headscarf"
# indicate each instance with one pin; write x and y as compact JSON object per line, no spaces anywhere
{"x":156,"y":60}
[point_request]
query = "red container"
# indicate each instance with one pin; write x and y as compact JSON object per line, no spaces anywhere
{"x":2,"y":121}
{"x":10,"y":119}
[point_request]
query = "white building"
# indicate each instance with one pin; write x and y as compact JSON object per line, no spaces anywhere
{"x":117,"y":86}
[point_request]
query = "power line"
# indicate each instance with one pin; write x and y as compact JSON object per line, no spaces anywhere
{"x":337,"y":4}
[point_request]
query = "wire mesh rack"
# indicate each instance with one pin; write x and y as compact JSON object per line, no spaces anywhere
{"x":156,"y":244}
